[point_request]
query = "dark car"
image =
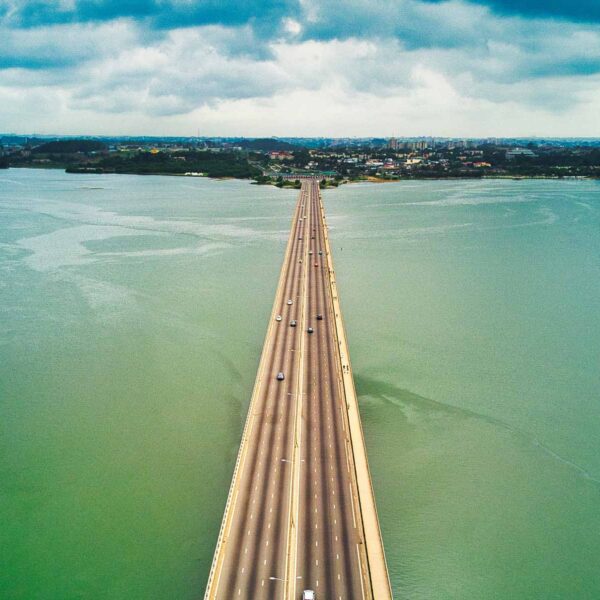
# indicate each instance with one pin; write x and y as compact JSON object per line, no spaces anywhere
{"x":319,"y":317}
{"x":310,"y":330}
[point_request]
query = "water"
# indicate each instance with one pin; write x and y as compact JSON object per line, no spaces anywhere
{"x":473,"y":317}
{"x":132,"y":314}
{"x":131,"y":327}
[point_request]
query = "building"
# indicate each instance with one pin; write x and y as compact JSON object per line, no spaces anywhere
{"x":512,"y":154}
{"x":281,"y":155}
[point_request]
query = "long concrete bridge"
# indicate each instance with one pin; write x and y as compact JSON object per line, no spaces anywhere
{"x":301,"y":512}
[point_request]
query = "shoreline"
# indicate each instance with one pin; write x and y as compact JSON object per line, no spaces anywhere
{"x":368,"y":179}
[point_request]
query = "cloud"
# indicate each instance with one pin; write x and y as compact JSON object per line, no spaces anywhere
{"x":582,"y":10}
{"x":184,"y":64}
{"x":189,"y":68}
{"x":52,"y":47}
{"x":163,"y":14}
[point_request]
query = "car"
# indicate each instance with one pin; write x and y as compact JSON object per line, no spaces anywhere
{"x":299,"y":238}
{"x":320,"y":252}
{"x":316,"y":264}
{"x":310,"y":252}
{"x":308,"y":595}
{"x":278,"y":318}
{"x":319,"y":317}
{"x":293,"y":323}
{"x":310,"y":330}
{"x":300,"y":261}
{"x":280,"y":376}
{"x":289,"y":301}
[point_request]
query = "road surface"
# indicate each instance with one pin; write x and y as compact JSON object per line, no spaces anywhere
{"x":293,"y":519}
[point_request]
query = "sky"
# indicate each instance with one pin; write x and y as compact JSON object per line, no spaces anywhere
{"x":335,"y":68}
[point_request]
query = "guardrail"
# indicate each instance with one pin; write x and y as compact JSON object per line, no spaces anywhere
{"x":373,"y":542}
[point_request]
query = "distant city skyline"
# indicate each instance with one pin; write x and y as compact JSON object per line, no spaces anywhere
{"x":306,"y":68}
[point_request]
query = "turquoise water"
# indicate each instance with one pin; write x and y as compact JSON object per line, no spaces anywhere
{"x":132,"y":314}
{"x":473,"y":316}
{"x":131,"y":326}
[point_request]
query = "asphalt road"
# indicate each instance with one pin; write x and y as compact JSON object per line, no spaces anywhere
{"x":293,"y":518}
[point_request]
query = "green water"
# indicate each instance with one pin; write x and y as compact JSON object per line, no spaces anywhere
{"x":473,"y":316}
{"x":132,"y":314}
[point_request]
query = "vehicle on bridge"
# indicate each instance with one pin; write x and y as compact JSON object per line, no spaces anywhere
{"x":310,"y":330}
{"x":290,"y":301}
{"x":319,"y":317}
{"x":308,"y":595}
{"x":280,"y":376}
{"x":278,"y":318}
{"x":293,"y":323}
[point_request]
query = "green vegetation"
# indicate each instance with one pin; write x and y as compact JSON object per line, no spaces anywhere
{"x":268,"y":145}
{"x":212,"y":164}
{"x":328,"y":183}
{"x":262,"y":180}
{"x":280,"y":182}
{"x":70,"y":147}
{"x":271,"y":161}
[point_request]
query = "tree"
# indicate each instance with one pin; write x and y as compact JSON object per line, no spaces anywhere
{"x":70,"y":147}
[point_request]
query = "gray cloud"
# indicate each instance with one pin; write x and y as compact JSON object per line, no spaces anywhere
{"x":109,"y":58}
{"x":161,"y":14}
{"x":583,"y":10}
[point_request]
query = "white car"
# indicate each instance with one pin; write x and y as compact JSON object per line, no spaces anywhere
{"x":289,"y":301}
{"x":278,"y":318}
{"x":308,"y":595}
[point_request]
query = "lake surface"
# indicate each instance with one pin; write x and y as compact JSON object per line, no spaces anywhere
{"x":132,"y":315}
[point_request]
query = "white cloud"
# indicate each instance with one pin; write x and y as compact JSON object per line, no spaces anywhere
{"x":292,"y":26}
{"x":439,"y":69}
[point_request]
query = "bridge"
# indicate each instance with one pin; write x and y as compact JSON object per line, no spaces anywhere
{"x":301,"y":513}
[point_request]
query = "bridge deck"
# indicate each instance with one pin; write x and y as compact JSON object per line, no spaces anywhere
{"x":300,"y":512}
